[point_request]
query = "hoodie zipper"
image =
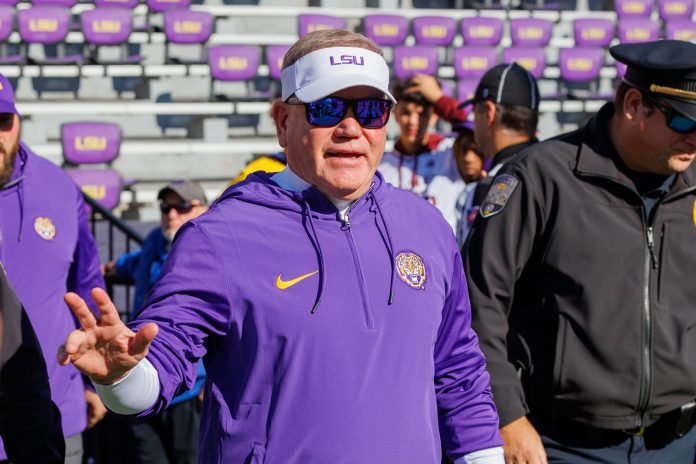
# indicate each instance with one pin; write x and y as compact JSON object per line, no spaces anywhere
{"x":367,"y":307}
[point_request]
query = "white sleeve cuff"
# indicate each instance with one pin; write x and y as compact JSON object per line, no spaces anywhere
{"x":134,"y":393}
{"x":485,"y":456}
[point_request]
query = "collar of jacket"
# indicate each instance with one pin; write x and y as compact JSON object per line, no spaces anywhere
{"x":510,"y":151}
{"x":259,"y":188}
{"x":431,"y":145}
{"x":597,"y":155}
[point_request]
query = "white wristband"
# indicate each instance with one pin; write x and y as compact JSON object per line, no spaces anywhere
{"x":134,"y":393}
{"x":484,"y":456}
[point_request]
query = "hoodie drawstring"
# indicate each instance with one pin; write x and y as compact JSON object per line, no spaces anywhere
{"x":20,"y":195}
{"x":390,"y":249}
{"x":314,"y":238}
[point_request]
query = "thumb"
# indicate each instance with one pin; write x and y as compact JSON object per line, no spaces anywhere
{"x":143,"y":338}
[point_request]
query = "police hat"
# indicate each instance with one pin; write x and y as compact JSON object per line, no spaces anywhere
{"x":665,"y":68}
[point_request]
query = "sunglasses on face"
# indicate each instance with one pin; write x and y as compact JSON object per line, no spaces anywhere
{"x":371,"y":113}
{"x":180,"y":208}
{"x":675,"y":120}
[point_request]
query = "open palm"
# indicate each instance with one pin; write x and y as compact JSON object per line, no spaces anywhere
{"x":107,"y":349}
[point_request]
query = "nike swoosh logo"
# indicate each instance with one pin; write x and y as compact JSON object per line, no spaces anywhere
{"x":285,"y":284}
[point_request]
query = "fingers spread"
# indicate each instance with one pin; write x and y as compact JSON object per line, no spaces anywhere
{"x":143,"y":338}
{"x":80,"y":310}
{"x":73,"y":342}
{"x":109,"y":314}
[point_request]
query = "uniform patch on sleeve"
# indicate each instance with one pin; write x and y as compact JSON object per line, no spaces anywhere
{"x":498,"y":195}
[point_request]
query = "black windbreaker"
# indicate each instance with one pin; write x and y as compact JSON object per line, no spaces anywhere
{"x":570,"y":284}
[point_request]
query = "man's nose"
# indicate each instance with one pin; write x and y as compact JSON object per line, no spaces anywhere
{"x":349,"y":126}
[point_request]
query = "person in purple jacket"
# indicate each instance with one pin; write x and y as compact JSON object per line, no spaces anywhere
{"x":330,"y":308}
{"x":47,"y":249}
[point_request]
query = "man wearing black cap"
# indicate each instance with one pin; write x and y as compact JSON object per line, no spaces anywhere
{"x":578,"y":269}
{"x":506,"y":112}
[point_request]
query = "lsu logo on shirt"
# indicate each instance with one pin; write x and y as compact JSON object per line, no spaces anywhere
{"x":411,"y":269}
{"x":45,"y":228}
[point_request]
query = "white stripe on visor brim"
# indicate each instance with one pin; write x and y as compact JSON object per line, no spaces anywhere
{"x":329,"y":70}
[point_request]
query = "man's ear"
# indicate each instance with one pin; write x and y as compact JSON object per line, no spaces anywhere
{"x":490,"y":112}
{"x":279,"y":112}
{"x":633,"y":105}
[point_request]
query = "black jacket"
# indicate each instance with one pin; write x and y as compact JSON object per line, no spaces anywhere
{"x":599,"y":302}
{"x":29,"y":421}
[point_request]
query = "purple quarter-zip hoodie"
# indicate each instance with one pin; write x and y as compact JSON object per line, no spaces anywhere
{"x":325,"y":340}
{"x":47,"y":249}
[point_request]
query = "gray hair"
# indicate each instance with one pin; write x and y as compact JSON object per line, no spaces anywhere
{"x":328,"y":38}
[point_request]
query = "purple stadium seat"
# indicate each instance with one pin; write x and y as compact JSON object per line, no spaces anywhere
{"x":580,"y":68}
{"x":593,"y":32}
{"x":580,"y":64}
{"x":6,"y":27}
{"x":530,"y":32}
{"x":681,"y":29}
{"x":533,"y":59}
{"x":620,"y":69}
{"x":90,"y":142}
{"x":481,"y":30}
{"x":6,"y":22}
{"x":408,"y":61}
{"x":633,"y":8}
{"x":104,"y":185}
{"x":447,"y":88}
{"x":466,"y":89}
{"x":274,"y":59}
{"x":9,"y":2}
{"x":632,"y":30}
{"x":187,"y":26}
{"x":386,"y":30}
{"x":675,"y":9}
{"x":233,"y":62}
{"x":47,"y":25}
{"x":314,"y":22}
{"x":158,"y":6}
{"x":63,"y":3}
{"x":473,"y":62}
{"x":116,"y":3}
{"x":109,"y":27}
{"x":434,"y":30}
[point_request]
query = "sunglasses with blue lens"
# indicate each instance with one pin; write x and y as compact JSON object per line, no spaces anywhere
{"x":371,"y":113}
{"x":675,"y":120}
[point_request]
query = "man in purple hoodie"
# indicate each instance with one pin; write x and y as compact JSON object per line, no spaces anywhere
{"x":330,"y":308}
{"x":47,"y":249}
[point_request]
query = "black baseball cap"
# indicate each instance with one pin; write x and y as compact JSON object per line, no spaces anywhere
{"x":665,"y":69}
{"x":507,"y":84}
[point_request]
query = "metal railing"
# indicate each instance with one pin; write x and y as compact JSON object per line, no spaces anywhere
{"x":120,"y":237}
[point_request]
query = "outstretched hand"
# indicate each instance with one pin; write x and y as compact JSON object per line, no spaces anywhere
{"x":104,"y":350}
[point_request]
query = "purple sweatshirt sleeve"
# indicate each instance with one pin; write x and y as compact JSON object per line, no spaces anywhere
{"x":468,"y":418}
{"x":189,"y":304}
{"x":85,"y":271}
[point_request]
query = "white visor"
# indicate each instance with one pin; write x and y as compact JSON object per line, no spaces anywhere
{"x":329,"y":70}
